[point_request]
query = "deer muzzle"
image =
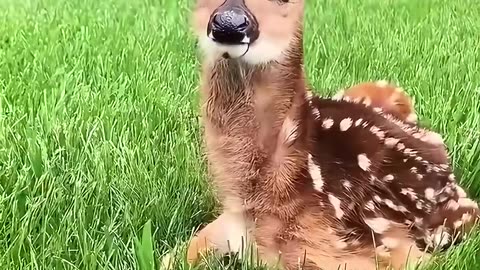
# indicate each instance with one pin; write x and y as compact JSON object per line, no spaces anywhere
{"x":232,"y":23}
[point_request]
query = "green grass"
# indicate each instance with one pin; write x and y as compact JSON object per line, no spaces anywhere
{"x":101,"y":165}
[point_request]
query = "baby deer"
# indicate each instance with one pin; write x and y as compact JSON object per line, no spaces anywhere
{"x":312,"y":182}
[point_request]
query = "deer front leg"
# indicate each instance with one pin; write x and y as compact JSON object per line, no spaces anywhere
{"x":230,"y":232}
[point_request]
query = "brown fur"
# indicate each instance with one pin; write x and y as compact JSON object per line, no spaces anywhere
{"x":265,"y":139}
{"x":390,"y":98}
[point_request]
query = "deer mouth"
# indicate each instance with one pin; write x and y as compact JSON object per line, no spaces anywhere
{"x":231,"y":50}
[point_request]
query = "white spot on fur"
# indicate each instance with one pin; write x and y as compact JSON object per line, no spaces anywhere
{"x":400,"y":146}
{"x":432,"y":138}
{"x":378,"y":225}
{"x":448,"y":189}
{"x":409,"y":192}
{"x":377,"y":198}
{"x":414,"y":170}
{"x":336,"y":206}
{"x":347,"y":99}
{"x":315,"y":173}
{"x":365,"y":101}
{"x":357,"y":100}
{"x":452,"y":205}
{"x":419,"y":205}
{"x":363,"y":162}
{"x":346,"y":184}
{"x":388,"y":178}
{"x":374,"y":129}
{"x":390,"y":204}
{"x":345,"y":124}
{"x":419,"y":177}
{"x":358,"y":122}
{"x":436,"y":168}
{"x":395,"y":207}
{"x":466,"y":202}
{"x":460,"y":192}
{"x":391,"y":142}
{"x":418,"y":221}
{"x":316,"y":113}
{"x":377,"y":132}
{"x":380,"y":135}
{"x":370,"y":206}
{"x":444,"y":166}
{"x":430,"y":194}
{"x":377,"y":110}
{"x":417,"y":135}
{"x":327,"y":123}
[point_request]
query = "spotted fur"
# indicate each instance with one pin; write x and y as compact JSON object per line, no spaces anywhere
{"x":404,"y":183}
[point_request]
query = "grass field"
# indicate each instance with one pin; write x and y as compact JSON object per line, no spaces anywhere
{"x":100,"y":159}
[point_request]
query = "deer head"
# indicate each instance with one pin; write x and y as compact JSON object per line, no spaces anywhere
{"x":254,"y":32}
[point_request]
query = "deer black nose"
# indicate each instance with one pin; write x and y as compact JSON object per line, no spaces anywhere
{"x":232,"y":27}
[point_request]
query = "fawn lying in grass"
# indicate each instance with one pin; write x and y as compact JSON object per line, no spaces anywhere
{"x":316,"y":182}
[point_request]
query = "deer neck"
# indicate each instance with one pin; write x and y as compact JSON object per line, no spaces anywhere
{"x":233,"y":89}
{"x":253,"y":121}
